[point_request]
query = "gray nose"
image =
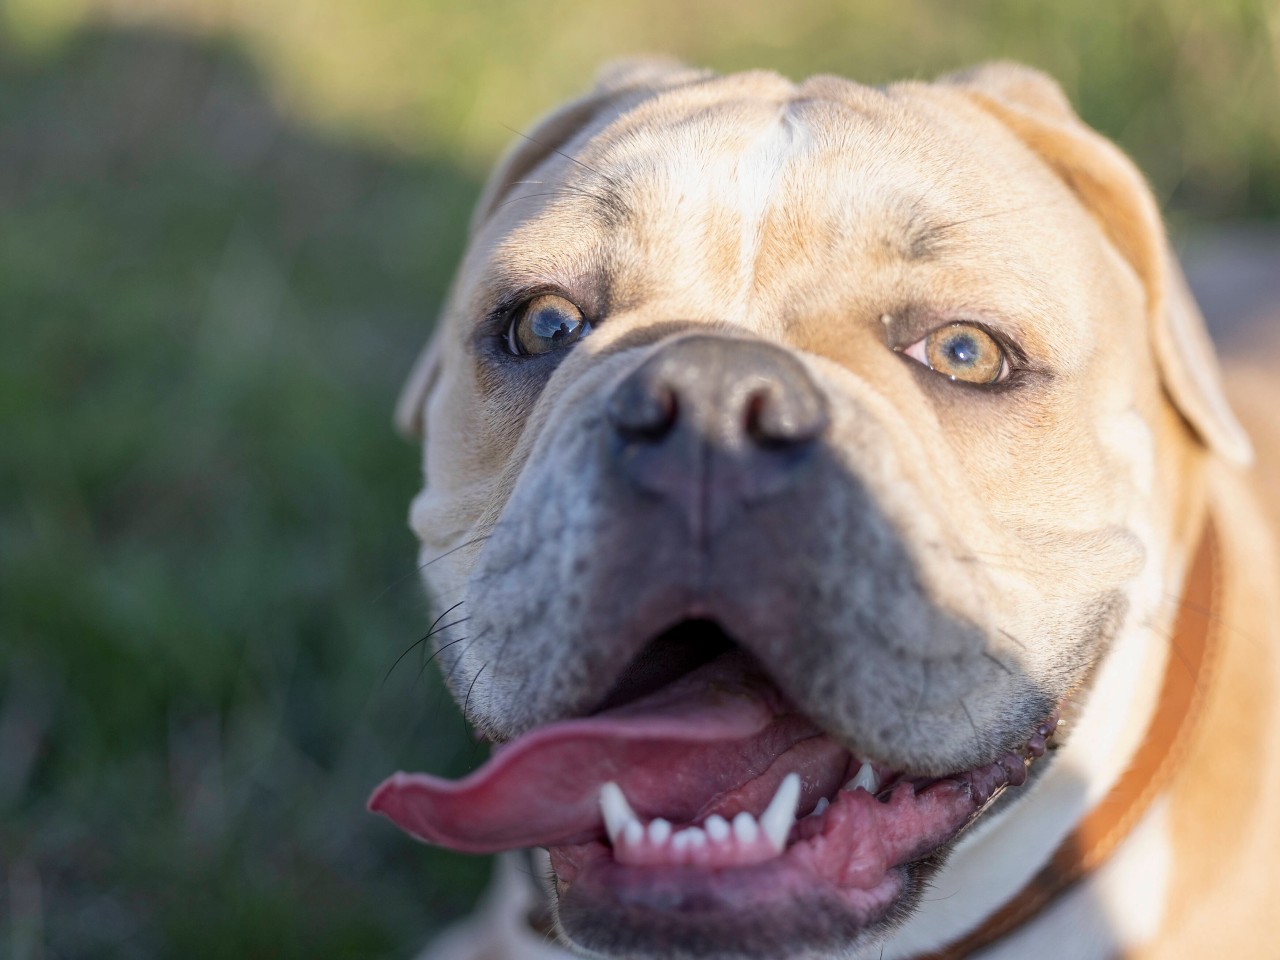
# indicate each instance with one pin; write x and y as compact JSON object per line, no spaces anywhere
{"x":714,"y":424}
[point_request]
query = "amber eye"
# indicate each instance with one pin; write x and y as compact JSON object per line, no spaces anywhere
{"x":962,"y":351}
{"x":545,"y":323}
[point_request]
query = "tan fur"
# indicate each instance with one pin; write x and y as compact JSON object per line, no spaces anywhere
{"x":815,"y":217}
{"x":1109,"y":186}
{"x":1224,"y":822}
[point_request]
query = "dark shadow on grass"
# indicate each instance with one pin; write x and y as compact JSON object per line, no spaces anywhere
{"x":206,"y":312}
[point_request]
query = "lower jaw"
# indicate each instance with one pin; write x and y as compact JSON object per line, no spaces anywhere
{"x":762,"y":910}
{"x":826,"y":889}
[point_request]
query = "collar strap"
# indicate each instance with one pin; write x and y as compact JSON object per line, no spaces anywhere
{"x":1157,"y":760}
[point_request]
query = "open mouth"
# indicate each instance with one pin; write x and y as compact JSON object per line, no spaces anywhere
{"x":699,"y":803}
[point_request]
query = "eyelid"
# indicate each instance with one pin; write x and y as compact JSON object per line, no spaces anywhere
{"x":510,"y":301}
{"x":506,"y":302}
{"x":913,"y":329}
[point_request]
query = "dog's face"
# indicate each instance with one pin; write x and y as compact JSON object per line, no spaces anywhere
{"x":824,"y":421}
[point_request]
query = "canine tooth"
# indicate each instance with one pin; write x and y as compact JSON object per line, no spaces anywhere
{"x":633,"y":833}
{"x":865,"y":778}
{"x":777,"y":820}
{"x":659,"y":831}
{"x":717,"y":827}
{"x":617,"y":813}
{"x":820,"y":807}
{"x":745,"y":828}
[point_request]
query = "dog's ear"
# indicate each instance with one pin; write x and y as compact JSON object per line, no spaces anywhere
{"x":619,"y":84}
{"x":1110,"y":187}
{"x":410,"y":414}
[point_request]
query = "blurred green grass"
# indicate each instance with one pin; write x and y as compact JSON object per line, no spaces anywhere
{"x":204,"y":572}
{"x":224,"y":231}
{"x":1189,"y":87}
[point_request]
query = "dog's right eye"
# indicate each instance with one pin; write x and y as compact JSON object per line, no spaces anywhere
{"x":547,"y":322}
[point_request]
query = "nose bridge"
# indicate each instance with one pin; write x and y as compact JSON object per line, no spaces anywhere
{"x":713,"y":424}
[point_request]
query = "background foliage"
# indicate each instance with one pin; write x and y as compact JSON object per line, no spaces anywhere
{"x":224,"y":231}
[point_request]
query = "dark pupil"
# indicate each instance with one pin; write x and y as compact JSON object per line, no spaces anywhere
{"x":962,"y":350}
{"x":552,"y":324}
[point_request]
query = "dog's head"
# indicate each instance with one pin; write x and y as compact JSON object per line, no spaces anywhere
{"x":772,"y":429}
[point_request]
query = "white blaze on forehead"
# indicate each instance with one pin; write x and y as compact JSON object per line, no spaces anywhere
{"x":716,"y":186}
{"x":753,"y":191}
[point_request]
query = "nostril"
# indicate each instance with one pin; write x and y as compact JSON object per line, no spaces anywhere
{"x":645,"y":411}
{"x":708,"y":425}
{"x":772,"y":419}
{"x":753,"y":420}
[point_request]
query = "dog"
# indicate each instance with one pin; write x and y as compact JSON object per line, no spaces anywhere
{"x":846,"y":539}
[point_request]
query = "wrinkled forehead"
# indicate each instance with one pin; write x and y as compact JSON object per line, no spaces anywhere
{"x":845,"y":162}
{"x":740,"y":196}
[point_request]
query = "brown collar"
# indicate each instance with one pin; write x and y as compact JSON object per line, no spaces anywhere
{"x":1154,"y":765}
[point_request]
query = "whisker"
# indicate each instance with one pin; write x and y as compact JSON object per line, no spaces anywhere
{"x":466,"y":703}
{"x":613,"y":187}
{"x":556,"y":150}
{"x":448,"y":681}
{"x":1007,"y":212}
{"x":443,"y":648}
{"x":563,"y":192}
{"x":452,"y":623}
{"x":431,"y":631}
{"x":939,"y":899}
{"x":395,"y":583}
{"x":462,"y":546}
{"x":426,"y":663}
{"x":998,"y":662}
{"x":1170,"y":637}
{"x":1009,"y":636}
{"x":1206,"y":613}
{"x":418,"y":569}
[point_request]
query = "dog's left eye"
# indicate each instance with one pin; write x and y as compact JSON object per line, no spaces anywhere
{"x":962,"y":351}
{"x":548,"y":322}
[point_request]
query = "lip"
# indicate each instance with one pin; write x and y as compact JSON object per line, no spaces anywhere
{"x":607,"y":906}
{"x":852,"y":861}
{"x":715,"y":744}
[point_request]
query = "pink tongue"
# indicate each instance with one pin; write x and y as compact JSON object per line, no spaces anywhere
{"x":671,"y":752}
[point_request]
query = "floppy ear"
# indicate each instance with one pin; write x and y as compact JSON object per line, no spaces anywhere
{"x":617,"y":84}
{"x":1110,"y":187}
{"x":410,"y":413}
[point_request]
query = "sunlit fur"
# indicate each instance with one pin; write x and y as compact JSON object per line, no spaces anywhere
{"x":1042,"y":530}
